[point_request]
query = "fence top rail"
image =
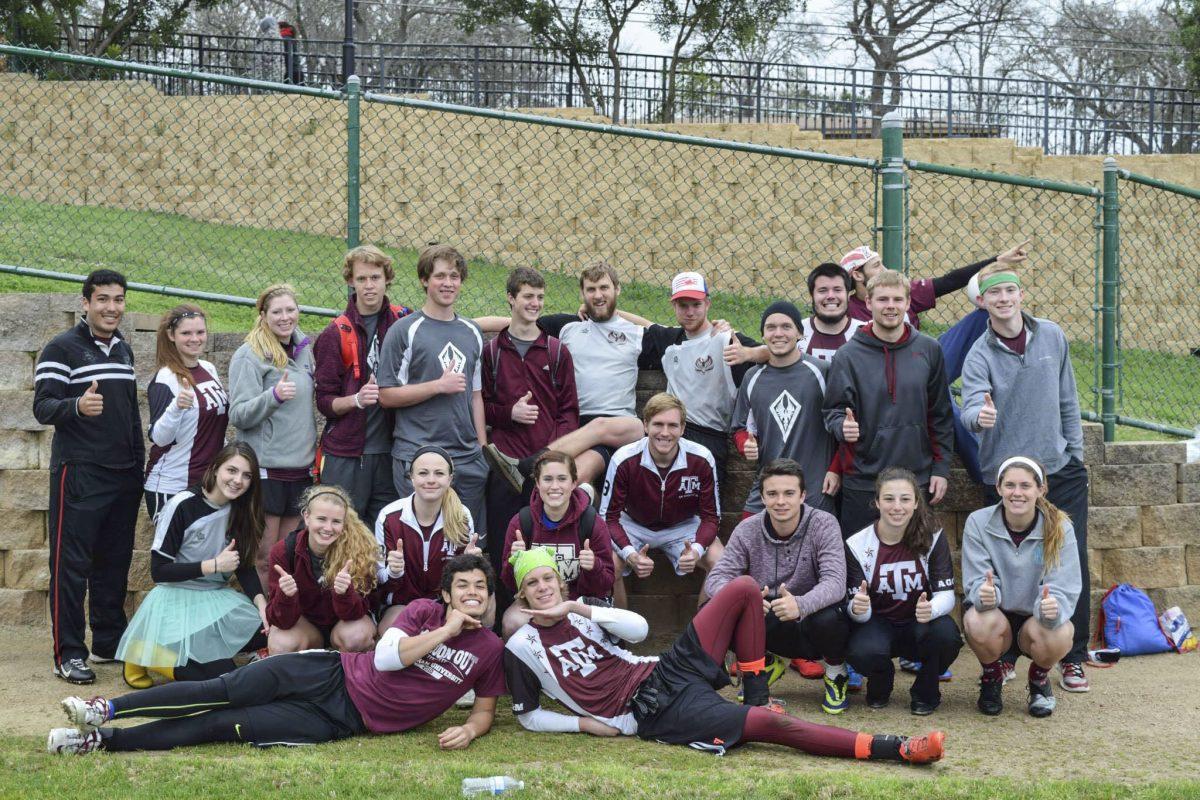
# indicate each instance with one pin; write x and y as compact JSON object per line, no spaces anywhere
{"x":1157,"y":183}
{"x":1001,"y":177}
{"x":169,"y":72}
{"x":621,"y":130}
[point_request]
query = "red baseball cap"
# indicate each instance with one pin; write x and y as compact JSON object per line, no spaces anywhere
{"x":689,"y":286}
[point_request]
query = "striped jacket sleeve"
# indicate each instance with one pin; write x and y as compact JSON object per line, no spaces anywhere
{"x":52,"y":404}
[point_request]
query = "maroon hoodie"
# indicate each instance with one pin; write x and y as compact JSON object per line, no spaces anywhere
{"x":345,"y":435}
{"x":507,"y":377}
{"x":319,"y":604}
{"x":564,"y":540}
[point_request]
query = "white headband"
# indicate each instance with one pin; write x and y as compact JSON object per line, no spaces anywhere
{"x":1024,"y":462}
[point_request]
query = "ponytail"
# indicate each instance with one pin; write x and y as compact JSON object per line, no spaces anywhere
{"x":1052,"y":533}
{"x":454,"y":519}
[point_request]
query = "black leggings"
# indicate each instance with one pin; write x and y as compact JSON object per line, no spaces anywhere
{"x":821,"y":635}
{"x":291,"y":699}
{"x":874,"y":643}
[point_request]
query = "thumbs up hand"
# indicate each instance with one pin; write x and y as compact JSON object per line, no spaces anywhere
{"x":186,"y":397}
{"x":861,"y":603}
{"x":587,"y":558}
{"x":342,"y":581}
{"x":287,"y":584}
{"x":395,"y":563}
{"x":473,"y":548}
{"x":1048,"y":605}
{"x":228,"y":559}
{"x":285,"y":390}
{"x":91,"y":402}
{"x":987,"y":414}
{"x":524,"y":412}
{"x":924,"y":610}
{"x":750,"y":451}
{"x":987,"y":592}
{"x":688,"y":558}
{"x":640,"y":562}
{"x":368,"y":394}
{"x":518,"y":544}
{"x":850,"y":427}
{"x":785,"y":606}
{"x":451,"y":382}
{"x":733,"y":353}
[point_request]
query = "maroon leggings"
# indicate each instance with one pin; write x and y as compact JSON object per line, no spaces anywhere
{"x":735,"y":616}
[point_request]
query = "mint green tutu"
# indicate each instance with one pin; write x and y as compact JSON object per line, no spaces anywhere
{"x":175,"y":625}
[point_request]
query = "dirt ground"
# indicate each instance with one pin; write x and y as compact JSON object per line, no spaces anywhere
{"x":1140,"y":722}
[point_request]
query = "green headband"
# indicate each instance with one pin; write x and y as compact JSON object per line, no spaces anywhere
{"x":526,"y":561}
{"x":997,"y":279}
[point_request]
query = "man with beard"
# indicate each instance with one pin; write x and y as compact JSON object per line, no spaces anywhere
{"x":887,"y":398}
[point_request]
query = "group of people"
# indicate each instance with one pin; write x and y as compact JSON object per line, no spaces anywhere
{"x":496,"y":566}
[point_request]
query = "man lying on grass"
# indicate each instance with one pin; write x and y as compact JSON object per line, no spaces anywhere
{"x":431,"y":656}
{"x":568,"y":650}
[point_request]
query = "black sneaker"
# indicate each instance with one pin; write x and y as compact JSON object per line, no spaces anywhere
{"x":877,"y":702}
{"x":75,"y":670}
{"x":1041,"y":699}
{"x":990,"y":701}
{"x":921,"y":708}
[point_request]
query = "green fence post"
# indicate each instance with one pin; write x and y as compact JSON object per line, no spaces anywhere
{"x":353,"y":98}
{"x":1108,"y":301}
{"x":892,"y":168}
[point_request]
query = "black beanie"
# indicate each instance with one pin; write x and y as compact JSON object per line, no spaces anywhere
{"x":782,"y":307}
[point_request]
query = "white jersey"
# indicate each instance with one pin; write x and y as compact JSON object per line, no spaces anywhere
{"x":697,"y":374}
{"x":606,"y":365}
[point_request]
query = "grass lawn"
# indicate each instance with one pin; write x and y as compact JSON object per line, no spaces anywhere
{"x":173,"y":250}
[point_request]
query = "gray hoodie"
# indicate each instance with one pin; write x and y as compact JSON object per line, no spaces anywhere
{"x":812,"y":561}
{"x":1017,"y":571}
{"x":1037,"y":409}
{"x":283,"y":435}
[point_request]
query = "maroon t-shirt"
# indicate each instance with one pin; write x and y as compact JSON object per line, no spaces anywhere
{"x":1016,"y":343}
{"x":921,"y":298}
{"x":394,"y":701}
{"x":898,"y":581}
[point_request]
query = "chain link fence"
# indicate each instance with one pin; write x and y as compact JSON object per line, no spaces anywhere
{"x":215,"y":194}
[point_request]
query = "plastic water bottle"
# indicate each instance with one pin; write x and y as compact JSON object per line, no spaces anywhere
{"x":499,"y":784}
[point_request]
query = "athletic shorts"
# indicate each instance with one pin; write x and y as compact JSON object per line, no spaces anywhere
{"x":684,"y":706}
{"x":604,"y":451}
{"x":1015,"y":620}
{"x":668,"y":540}
{"x":282,"y":498}
{"x":155,"y":501}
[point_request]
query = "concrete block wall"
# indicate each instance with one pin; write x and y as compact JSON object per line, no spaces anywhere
{"x":1144,"y":525}
{"x":555,"y":198}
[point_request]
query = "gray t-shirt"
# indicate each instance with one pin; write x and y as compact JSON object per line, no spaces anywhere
{"x":522,"y":345}
{"x":781,"y":406}
{"x":378,"y":437}
{"x":418,"y":349}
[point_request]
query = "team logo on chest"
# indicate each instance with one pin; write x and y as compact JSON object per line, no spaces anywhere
{"x":575,"y":656}
{"x":704,"y":364}
{"x":214,"y":397}
{"x":689,"y":485}
{"x":785,"y":411}
{"x":452,"y":358}
{"x":616,"y":337}
{"x":899,"y":578}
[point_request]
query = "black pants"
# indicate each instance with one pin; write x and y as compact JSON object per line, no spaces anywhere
{"x":502,"y":505}
{"x":821,"y":635}
{"x":367,"y":479}
{"x":717,"y":443}
{"x":93,"y":510}
{"x":1069,"y":493}
{"x":295,"y":698}
{"x":877,"y":641}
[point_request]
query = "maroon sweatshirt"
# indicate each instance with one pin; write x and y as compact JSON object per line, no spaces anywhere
{"x":345,"y":435}
{"x":565,"y":541}
{"x":319,"y":604}
{"x":507,"y":377}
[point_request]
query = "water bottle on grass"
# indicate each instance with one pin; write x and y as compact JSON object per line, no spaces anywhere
{"x":499,"y":784}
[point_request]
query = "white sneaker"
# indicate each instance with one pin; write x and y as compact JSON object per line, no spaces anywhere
{"x":466,"y":701}
{"x":68,"y":741}
{"x":86,"y":715}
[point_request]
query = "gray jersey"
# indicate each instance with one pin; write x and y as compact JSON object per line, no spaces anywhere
{"x":698,"y":375}
{"x":606,"y":365}
{"x":781,"y":406}
{"x":418,"y":349}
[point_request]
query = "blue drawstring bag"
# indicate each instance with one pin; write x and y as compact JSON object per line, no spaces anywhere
{"x":1128,"y":622}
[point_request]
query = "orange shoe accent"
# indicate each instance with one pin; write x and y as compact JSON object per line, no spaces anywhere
{"x":862,"y":745}
{"x":752,"y":667}
{"x":924,"y":749}
{"x":808,"y":669}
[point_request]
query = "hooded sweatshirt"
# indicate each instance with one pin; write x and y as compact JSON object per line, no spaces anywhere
{"x":565,"y":540}
{"x":811,"y":562}
{"x":283,"y":435}
{"x":902,"y":404}
{"x":1018,"y":570}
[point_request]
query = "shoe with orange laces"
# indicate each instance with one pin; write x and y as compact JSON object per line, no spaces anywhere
{"x":808,"y":669}
{"x":924,"y":749}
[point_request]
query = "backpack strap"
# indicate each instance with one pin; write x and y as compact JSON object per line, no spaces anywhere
{"x":555,"y":357}
{"x":587,"y":521}
{"x":349,"y":340}
{"x":493,"y":350}
{"x":525,"y":519}
{"x":289,"y":550}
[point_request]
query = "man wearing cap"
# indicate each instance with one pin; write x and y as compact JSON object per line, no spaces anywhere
{"x":888,"y":400}
{"x":692,"y":356}
{"x":863,"y":263}
{"x":1019,"y":395}
{"x":778,"y":409}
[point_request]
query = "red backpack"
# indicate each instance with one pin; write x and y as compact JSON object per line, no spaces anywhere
{"x":349,"y":338}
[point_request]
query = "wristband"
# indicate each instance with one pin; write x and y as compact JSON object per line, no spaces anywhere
{"x":275,"y":394}
{"x":357,"y":403}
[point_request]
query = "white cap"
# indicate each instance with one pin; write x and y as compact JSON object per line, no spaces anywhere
{"x":689,"y":285}
{"x":857,"y":257}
